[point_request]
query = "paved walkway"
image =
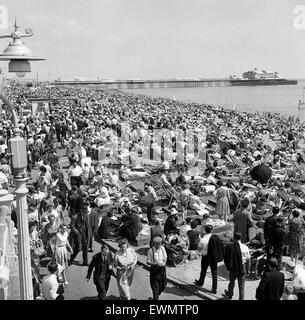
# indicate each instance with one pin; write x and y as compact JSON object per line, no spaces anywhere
{"x":184,"y":276}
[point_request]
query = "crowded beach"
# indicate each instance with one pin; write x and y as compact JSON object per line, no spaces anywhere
{"x":242,"y":181}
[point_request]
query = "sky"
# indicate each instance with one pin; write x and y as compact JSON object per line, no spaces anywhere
{"x":160,"y":39}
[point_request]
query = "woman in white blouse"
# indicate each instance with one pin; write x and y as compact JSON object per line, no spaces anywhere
{"x":125,"y":261}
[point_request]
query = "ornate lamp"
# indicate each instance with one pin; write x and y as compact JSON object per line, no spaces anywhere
{"x":19,"y":57}
{"x":18,"y":53}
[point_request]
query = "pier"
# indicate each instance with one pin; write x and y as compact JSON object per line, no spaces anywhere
{"x":174,"y":83}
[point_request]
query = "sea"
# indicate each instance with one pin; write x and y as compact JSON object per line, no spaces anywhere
{"x":281,"y":99}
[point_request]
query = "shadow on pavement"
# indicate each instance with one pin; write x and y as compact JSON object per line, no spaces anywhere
{"x":189,"y":290}
{"x":89,"y":298}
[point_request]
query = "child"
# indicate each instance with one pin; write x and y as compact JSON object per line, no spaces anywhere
{"x":288,"y":293}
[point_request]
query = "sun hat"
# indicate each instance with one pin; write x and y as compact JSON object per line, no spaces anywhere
{"x":157,"y":240}
{"x":290,"y":266}
{"x":173,"y":211}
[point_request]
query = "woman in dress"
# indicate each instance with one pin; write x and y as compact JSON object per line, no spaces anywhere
{"x":50,"y":231}
{"x":295,"y":235}
{"x":61,"y":250}
{"x":223,"y":204}
{"x":125,"y":261}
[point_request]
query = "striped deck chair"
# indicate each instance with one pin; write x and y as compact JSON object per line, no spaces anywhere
{"x":295,"y":199}
{"x":268,"y":158}
{"x":300,"y":168}
{"x":162,"y":192}
{"x":229,"y":158}
{"x":283,"y":195}
{"x":237,"y":161}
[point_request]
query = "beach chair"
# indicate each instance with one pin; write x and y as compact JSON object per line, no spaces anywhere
{"x":237,"y":161}
{"x":300,"y":169}
{"x":162,"y":192}
{"x":268,"y":157}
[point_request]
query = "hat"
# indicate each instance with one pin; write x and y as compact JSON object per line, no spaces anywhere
{"x":157,"y":240}
{"x":173,"y":211}
{"x":290,"y":266}
{"x":173,"y":205}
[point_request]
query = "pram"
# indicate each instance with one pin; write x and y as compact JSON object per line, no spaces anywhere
{"x":258,"y":260}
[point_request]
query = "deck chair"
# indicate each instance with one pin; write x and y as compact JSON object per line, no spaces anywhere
{"x":161,"y":190}
{"x":268,"y":157}
{"x":237,"y":161}
{"x":300,"y":169}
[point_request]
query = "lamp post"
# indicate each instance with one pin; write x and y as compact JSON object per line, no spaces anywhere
{"x":19,"y":56}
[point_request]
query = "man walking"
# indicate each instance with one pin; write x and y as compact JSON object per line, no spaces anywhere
{"x":271,"y":286}
{"x":212,"y":251}
{"x":51,"y":290}
{"x":102,"y":263}
{"x":156,"y":259}
{"x":80,"y":235}
{"x":268,"y":226}
{"x":242,"y":221}
{"x":236,"y":259}
{"x":276,"y":238}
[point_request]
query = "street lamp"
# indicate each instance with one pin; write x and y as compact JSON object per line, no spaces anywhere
{"x":19,"y":57}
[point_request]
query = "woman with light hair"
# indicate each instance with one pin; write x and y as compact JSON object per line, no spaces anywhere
{"x":125,"y":261}
{"x":61,"y":247}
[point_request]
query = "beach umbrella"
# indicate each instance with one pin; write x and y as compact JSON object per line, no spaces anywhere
{"x":261,"y":173}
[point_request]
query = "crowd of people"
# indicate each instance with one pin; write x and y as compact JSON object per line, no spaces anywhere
{"x":252,"y":181}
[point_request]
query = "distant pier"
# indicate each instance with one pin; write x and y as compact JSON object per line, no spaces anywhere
{"x":186,"y":83}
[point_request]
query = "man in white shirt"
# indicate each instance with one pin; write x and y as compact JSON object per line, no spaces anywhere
{"x":75,"y":174}
{"x":49,"y":286}
{"x":150,"y":201}
{"x":156,"y":259}
{"x":206,"y":261}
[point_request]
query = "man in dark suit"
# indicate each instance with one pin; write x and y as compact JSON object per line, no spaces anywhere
{"x":80,"y":234}
{"x":75,"y":200}
{"x":102,"y":263}
{"x":277,"y":237}
{"x":271,"y":286}
{"x":107,"y":227}
{"x":268,"y":226}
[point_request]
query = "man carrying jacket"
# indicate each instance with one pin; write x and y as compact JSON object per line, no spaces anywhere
{"x":212,"y":251}
{"x":236,"y":259}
